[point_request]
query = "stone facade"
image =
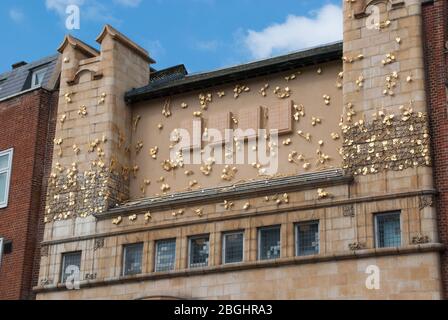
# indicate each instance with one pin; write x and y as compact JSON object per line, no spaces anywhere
{"x":354,"y":143}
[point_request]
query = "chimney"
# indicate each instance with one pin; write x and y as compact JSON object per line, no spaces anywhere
{"x":19,"y":64}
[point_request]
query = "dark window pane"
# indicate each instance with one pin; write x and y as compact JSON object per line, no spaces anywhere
{"x":233,"y":247}
{"x":269,"y":243}
{"x":165,"y":255}
{"x":132,"y":259}
{"x":307,"y":238}
{"x":71,"y":263}
{"x":388,"y":231}
{"x":199,"y":248}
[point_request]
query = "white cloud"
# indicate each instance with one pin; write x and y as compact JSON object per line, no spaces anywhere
{"x":128,"y":3}
{"x":297,"y":32}
{"x":211,"y":45}
{"x":155,"y":48}
{"x":92,"y":10}
{"x":60,"y":5}
{"x":16,"y":15}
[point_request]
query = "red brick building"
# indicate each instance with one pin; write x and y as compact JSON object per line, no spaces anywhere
{"x":28,"y":103}
{"x":435,"y":24}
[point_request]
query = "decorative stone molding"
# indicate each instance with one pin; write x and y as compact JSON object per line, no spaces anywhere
{"x":94,"y":76}
{"x":360,"y":6}
{"x":90,"y":276}
{"x":390,"y":142}
{"x":82,"y":194}
{"x":357,"y":246}
{"x":99,"y":243}
{"x":44,"y":251}
{"x":420,"y":239}
{"x":426,"y":201}
{"x":348,"y":210}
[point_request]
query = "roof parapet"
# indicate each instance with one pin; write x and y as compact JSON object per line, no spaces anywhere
{"x":78,"y":45}
{"x":108,"y":29}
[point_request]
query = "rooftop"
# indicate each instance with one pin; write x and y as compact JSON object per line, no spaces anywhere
{"x":20,"y":79}
{"x":183,"y":82}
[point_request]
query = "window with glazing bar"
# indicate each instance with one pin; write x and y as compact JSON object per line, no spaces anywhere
{"x":307,"y":238}
{"x":269,"y":243}
{"x":388,"y":230}
{"x":232,"y":247}
{"x":165,"y":255}
{"x":132,"y":259}
{"x":198,"y":251}
{"x":71,"y":265}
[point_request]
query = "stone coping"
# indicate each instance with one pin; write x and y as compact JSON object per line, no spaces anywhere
{"x":350,"y":255}
{"x":231,"y":192}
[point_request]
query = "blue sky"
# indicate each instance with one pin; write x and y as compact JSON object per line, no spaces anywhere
{"x":202,"y":34}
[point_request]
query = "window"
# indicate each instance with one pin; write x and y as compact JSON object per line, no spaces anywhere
{"x":5,"y":176}
{"x":38,"y":77}
{"x":198,"y":251}
{"x":307,"y":238}
{"x":1,"y":251}
{"x":132,"y":259}
{"x":233,"y":247}
{"x":388,"y":231}
{"x":269,"y":243}
{"x":165,"y":255}
{"x":71,"y":265}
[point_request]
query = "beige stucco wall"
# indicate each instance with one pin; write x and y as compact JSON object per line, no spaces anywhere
{"x":307,"y":89}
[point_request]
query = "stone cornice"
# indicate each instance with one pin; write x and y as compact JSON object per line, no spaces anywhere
{"x":245,"y":190}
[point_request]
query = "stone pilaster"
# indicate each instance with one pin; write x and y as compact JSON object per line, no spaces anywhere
{"x":91,"y":164}
{"x":384,"y":122}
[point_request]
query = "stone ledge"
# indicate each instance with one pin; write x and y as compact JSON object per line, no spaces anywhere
{"x":361,"y":254}
{"x":231,"y":192}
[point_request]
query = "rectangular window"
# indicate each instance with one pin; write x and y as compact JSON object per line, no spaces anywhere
{"x":388,"y":230}
{"x":71,"y":265}
{"x":307,"y":238}
{"x":132,"y":259}
{"x":38,"y":77}
{"x":1,"y":251}
{"x":165,"y":255}
{"x":5,"y":176}
{"x":269,"y":243}
{"x":233,"y":247}
{"x":198,"y":251}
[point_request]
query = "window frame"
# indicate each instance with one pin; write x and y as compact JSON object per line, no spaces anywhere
{"x":123,"y":259}
{"x":8,"y":171}
{"x":260,"y":229}
{"x":1,"y":250}
{"x":296,"y":230}
{"x":156,"y":251}
{"x":189,"y":251}
{"x":63,"y":256}
{"x":34,"y":74}
{"x":376,"y":235}
{"x":224,"y":246}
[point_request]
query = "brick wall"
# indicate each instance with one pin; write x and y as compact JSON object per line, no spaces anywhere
{"x":435,"y":23}
{"x":27,"y":126}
